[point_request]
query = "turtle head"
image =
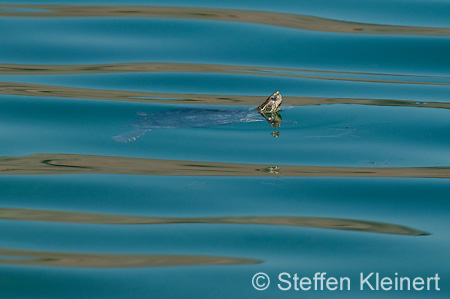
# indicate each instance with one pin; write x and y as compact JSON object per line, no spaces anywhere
{"x":272,"y":104}
{"x":270,"y":109}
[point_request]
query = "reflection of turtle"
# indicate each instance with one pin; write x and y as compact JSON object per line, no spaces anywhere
{"x":192,"y":118}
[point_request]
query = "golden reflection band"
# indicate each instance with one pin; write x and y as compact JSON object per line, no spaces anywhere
{"x":46,"y":164}
{"x":295,"y":21}
{"x":315,"y":222}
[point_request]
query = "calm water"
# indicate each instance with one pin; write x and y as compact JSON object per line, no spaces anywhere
{"x":354,"y":180}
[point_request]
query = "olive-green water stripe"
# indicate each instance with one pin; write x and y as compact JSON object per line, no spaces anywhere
{"x":296,"y":21}
{"x":107,"y":260}
{"x":156,"y":67}
{"x":39,"y":90}
{"x":46,"y":164}
{"x":313,"y":222}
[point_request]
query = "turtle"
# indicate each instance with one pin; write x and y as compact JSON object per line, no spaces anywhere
{"x":197,"y":117}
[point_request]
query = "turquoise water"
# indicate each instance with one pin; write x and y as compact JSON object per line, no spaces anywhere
{"x":354,"y":180}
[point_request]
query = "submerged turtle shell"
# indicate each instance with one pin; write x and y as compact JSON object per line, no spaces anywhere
{"x":195,"y":117}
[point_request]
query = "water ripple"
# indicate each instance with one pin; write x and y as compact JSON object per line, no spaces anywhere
{"x":39,"y":164}
{"x":295,"y":21}
{"x":40,"y":90}
{"x":316,"y":222}
{"x":159,"y":67}
{"x":89,"y":260}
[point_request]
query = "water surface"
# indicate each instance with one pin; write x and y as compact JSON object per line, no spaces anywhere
{"x":355,"y":179}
